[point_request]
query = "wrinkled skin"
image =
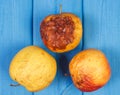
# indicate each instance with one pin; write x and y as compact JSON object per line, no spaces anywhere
{"x":33,"y":68}
{"x":89,"y":70}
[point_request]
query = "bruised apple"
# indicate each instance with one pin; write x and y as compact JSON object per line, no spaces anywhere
{"x":89,"y":70}
{"x":33,"y":68}
{"x":61,"y":32}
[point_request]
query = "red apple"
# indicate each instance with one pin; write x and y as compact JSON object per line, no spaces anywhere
{"x":89,"y":70}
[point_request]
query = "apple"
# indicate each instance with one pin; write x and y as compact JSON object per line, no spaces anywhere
{"x":89,"y":70}
{"x":33,"y":68}
{"x":61,"y":32}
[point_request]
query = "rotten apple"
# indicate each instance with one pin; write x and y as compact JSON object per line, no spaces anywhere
{"x":61,"y":32}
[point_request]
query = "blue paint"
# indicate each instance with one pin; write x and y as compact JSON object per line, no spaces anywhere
{"x":71,"y":89}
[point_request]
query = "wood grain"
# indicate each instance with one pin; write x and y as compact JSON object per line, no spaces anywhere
{"x":102,"y":31}
{"x":42,"y":9}
{"x":15,"y":33}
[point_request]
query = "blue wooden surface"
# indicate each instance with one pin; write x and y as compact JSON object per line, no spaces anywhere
{"x":19,"y":27}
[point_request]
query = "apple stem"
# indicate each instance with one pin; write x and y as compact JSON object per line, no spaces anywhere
{"x":14,"y":85}
{"x":60,"y":8}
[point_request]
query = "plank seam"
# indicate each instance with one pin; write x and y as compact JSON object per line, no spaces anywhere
{"x":32,"y":26}
{"x":32,"y":22}
{"x":83,"y":28}
{"x":83,"y":24}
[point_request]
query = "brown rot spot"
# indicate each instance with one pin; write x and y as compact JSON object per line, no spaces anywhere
{"x":57,"y":32}
{"x":42,"y":53}
{"x":21,"y":81}
{"x":72,"y":75}
{"x":80,"y":82}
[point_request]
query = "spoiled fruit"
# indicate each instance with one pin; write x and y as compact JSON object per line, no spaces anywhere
{"x":33,"y":68}
{"x":61,"y":32}
{"x":89,"y":70}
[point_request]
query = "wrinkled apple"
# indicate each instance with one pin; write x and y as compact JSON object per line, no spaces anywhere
{"x":89,"y":70}
{"x":33,"y":68}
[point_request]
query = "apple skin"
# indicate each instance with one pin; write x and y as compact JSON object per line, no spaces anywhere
{"x":33,"y":68}
{"x":89,"y":70}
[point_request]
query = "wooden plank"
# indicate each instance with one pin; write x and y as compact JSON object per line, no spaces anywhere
{"x":41,"y":9}
{"x":101,"y":28}
{"x":15,"y":33}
